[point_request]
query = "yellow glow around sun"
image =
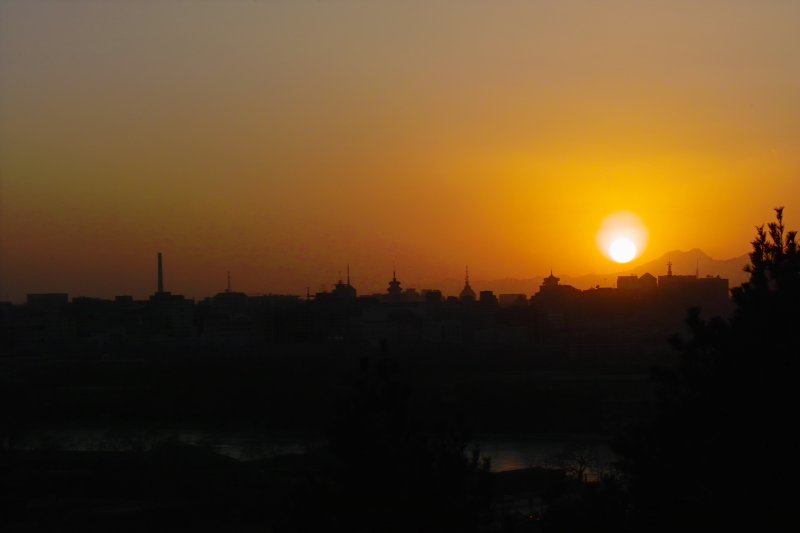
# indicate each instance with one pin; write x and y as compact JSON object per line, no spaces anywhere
{"x":622,"y":237}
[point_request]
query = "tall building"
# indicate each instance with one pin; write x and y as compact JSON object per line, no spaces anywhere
{"x":394,"y":293}
{"x":467,"y":294}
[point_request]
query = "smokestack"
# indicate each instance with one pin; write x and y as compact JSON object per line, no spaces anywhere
{"x":160,"y":275}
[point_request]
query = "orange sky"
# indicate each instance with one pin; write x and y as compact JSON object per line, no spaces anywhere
{"x":283,"y":140}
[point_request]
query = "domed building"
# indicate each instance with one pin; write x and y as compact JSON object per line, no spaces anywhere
{"x":467,"y":294}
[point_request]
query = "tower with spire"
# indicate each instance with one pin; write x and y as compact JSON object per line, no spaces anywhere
{"x":467,"y":294}
{"x":550,"y":281}
{"x":394,"y":292}
{"x":554,"y":296}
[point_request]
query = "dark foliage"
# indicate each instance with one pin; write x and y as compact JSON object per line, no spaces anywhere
{"x":719,"y":451}
{"x":403,"y":462}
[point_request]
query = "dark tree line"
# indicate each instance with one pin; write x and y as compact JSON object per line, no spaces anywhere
{"x":720,"y":450}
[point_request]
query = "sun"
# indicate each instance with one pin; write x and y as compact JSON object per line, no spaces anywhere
{"x":622,"y":250}
{"x":622,"y":237}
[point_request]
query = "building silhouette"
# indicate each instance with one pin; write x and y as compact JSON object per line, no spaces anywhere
{"x":647,"y":282}
{"x":343,"y":292}
{"x":169,"y":314}
{"x":467,"y":294}
{"x":394,"y":294}
{"x":488,"y":298}
{"x":51,"y":322}
{"x":554,"y":300}
{"x":513,"y":299}
{"x":552,"y":291}
{"x":711,"y":293}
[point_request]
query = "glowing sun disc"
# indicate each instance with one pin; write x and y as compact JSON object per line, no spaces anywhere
{"x":622,"y":250}
{"x":622,"y":237}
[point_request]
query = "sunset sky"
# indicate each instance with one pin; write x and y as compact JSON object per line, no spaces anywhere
{"x":283,"y":140}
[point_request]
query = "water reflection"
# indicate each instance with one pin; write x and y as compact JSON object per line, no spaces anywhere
{"x":549,"y":451}
{"x":506,"y":452}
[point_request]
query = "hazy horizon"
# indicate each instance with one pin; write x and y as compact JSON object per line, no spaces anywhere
{"x":281,"y":141}
{"x":451,"y":285}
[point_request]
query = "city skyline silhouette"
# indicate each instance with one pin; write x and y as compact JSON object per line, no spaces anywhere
{"x":687,"y":262}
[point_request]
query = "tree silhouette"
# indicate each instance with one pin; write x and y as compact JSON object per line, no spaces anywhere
{"x":719,"y":450}
{"x":393,"y":468}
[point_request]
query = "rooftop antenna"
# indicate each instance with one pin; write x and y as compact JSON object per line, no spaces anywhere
{"x":669,"y":265}
{"x":348,"y":274}
{"x":229,"y":282}
{"x":160,"y":275}
{"x":394,"y":272}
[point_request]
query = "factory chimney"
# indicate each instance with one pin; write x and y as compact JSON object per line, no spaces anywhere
{"x":160,"y":275}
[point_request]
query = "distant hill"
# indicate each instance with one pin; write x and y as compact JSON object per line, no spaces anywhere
{"x":687,"y":262}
